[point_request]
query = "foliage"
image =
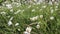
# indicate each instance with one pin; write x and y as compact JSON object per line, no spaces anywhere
{"x":22,"y":15}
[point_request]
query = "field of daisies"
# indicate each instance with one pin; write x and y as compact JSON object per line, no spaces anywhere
{"x":29,"y":18}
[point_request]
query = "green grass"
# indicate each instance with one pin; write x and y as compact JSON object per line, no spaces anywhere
{"x":47,"y":26}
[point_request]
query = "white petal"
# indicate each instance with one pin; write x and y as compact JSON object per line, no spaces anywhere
{"x":16,"y":24}
{"x":26,"y":32}
{"x":52,"y":18}
{"x":9,"y":23}
{"x":28,"y":29}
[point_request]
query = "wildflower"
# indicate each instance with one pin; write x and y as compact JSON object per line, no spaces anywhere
{"x":18,"y":29}
{"x":52,"y":18}
{"x":16,"y":24}
{"x":41,"y":16}
{"x":34,"y":18}
{"x":9,"y":23}
{"x":33,"y":10}
{"x":28,"y":29}
{"x":38,"y":26}
{"x":3,"y":13}
{"x":9,"y":6}
{"x":26,"y":32}
{"x":17,"y":3}
{"x":11,"y":18}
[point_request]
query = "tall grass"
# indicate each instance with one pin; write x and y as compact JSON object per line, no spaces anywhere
{"x":49,"y":23}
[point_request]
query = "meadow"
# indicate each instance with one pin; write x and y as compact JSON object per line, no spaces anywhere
{"x":43,"y":18}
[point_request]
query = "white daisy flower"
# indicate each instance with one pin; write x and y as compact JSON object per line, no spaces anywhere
{"x":9,"y":23}
{"x":34,"y":18}
{"x":3,"y":13}
{"x":11,"y":18}
{"x":28,"y":29}
{"x":26,"y":32}
{"x":9,"y":6}
{"x":52,"y":18}
{"x":41,"y":16}
{"x":16,"y":24}
{"x":38,"y":26}
{"x":19,"y":30}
